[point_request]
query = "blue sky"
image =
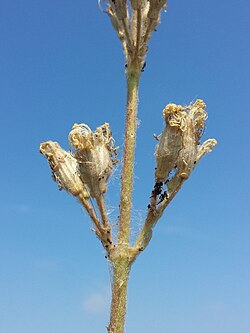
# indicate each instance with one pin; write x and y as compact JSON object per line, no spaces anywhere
{"x":61,"y":63}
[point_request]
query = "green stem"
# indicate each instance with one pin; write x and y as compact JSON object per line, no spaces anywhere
{"x":121,"y":271}
{"x":133,"y":77}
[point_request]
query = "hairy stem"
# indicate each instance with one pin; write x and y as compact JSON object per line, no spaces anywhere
{"x":133,"y":77}
{"x":154,"y":215}
{"x":121,"y":269}
{"x":102,"y":208}
{"x":91,"y":213}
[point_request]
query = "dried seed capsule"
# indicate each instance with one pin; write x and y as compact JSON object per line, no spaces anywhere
{"x":170,"y":143}
{"x":120,"y":8}
{"x":116,"y":23}
{"x":155,"y":8}
{"x":178,"y":146}
{"x":137,"y":4}
{"x":94,"y":153}
{"x":64,"y":169}
{"x":195,"y":124}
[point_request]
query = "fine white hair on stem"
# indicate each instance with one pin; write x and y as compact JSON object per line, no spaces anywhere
{"x":137,"y":220}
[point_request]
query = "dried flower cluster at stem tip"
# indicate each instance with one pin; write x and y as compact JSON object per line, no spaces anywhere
{"x":134,"y":25}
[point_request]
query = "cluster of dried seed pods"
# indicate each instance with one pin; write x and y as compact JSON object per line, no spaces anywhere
{"x":179,"y":150}
{"x":85,"y":169}
{"x":134,"y":24}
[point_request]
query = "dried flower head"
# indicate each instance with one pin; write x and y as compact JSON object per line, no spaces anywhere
{"x":134,"y":25}
{"x":95,"y":155}
{"x":170,"y":143}
{"x":179,"y":145}
{"x":64,"y":169}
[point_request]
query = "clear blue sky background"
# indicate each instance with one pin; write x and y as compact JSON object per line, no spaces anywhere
{"x":61,"y":63}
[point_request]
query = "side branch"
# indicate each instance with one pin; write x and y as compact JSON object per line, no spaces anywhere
{"x":103,"y":232}
{"x":154,"y":214}
{"x":92,"y":214}
{"x":103,"y":212}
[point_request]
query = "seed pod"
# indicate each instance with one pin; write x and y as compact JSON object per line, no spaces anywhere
{"x":155,"y":8}
{"x":195,"y":124}
{"x":145,"y":22}
{"x":115,"y":21}
{"x":120,"y":8}
{"x":64,"y":169}
{"x":93,"y":152}
{"x":170,"y":143}
{"x":137,"y":4}
{"x":179,"y":145}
